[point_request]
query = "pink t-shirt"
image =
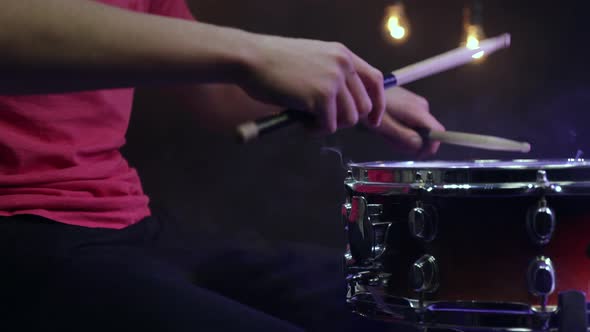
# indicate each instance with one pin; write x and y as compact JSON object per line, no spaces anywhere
{"x":59,"y":153}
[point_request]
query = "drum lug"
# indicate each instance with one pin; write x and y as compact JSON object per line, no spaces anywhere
{"x":424,"y":181}
{"x":422,"y":222}
{"x":541,"y":278}
{"x":544,"y":185}
{"x":363,"y":226}
{"x":542,"y":179}
{"x":423,"y":275}
{"x":349,"y":175}
{"x":541,"y":223}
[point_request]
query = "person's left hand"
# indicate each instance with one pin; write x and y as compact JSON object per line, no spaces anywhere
{"x":405,"y":111}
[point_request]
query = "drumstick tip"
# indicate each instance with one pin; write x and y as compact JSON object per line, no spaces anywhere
{"x":247,"y":132}
{"x":507,"y":39}
{"x":526,"y":147}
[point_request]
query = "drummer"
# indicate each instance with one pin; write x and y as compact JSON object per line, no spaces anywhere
{"x":80,"y":247}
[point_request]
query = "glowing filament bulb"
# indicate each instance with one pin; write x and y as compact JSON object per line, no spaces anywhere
{"x":396,"y":24}
{"x":395,"y":30}
{"x":474,"y":33}
{"x":472,"y":42}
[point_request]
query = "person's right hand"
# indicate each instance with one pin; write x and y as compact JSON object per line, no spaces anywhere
{"x":323,"y":78}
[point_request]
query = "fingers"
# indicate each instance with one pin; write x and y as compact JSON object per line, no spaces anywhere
{"x":352,"y":103}
{"x":348,"y":111}
{"x":343,"y":110}
{"x":327,"y":119}
{"x":358,"y":94}
{"x":357,"y":89}
{"x":401,"y":137}
{"x":372,"y":80}
{"x":405,"y":113}
{"x":422,"y":120}
{"x":411,"y":109}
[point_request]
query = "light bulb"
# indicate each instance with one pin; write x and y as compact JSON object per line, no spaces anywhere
{"x":472,"y":32}
{"x":396,"y":23}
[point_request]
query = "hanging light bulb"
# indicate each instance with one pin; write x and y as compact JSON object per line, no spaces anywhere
{"x":473,"y":35}
{"x":396,"y":23}
{"x":473,"y":29}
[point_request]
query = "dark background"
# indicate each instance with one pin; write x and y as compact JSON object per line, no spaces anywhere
{"x":286,"y":187}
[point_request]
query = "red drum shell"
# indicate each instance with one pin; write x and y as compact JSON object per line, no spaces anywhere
{"x":482,"y":246}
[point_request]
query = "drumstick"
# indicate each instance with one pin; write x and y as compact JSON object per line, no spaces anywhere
{"x":475,"y":141}
{"x":451,"y":59}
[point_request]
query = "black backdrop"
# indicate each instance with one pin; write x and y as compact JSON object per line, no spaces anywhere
{"x":285,"y":187}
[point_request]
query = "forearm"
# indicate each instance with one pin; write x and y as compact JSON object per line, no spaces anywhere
{"x":217,"y":107}
{"x":64,"y":45}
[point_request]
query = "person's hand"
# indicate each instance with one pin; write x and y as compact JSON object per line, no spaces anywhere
{"x":324,"y":78}
{"x":406,"y":111}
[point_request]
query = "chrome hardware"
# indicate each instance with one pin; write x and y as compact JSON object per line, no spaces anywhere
{"x":452,"y":178}
{"x":364,"y":229}
{"x":346,"y":207}
{"x":381,"y":232}
{"x":418,"y":177}
{"x":367,"y":278}
{"x":422,"y":223}
{"x":541,"y":223}
{"x":467,"y":315}
{"x":349,"y":175}
{"x":544,"y":186}
{"x":424,"y":179}
{"x":374,"y":211}
{"x":541,"y":277}
{"x":359,"y":228}
{"x":358,"y":210}
{"x":358,"y":205}
{"x":416,"y":222}
{"x":542,"y":177}
{"x":424,"y":275}
{"x":348,"y":259}
{"x":459,"y":315}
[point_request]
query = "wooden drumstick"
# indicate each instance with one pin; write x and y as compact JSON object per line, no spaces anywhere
{"x":475,"y":140}
{"x":251,"y":130}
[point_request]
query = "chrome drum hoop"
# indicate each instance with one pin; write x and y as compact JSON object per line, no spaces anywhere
{"x":479,"y":177}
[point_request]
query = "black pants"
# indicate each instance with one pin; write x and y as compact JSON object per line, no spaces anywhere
{"x":57,"y":277}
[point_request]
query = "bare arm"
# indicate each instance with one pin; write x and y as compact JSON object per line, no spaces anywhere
{"x":64,"y":45}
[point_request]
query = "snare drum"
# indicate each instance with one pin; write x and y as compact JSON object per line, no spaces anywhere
{"x":501,"y":245}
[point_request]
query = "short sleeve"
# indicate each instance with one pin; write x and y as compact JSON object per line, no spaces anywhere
{"x":171,"y":8}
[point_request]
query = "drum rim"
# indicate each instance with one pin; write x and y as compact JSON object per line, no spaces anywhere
{"x":463,"y":318}
{"x":530,"y":177}
{"x":513,"y":164}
